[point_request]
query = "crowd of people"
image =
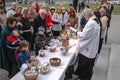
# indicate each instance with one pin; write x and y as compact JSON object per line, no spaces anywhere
{"x":30,"y":29}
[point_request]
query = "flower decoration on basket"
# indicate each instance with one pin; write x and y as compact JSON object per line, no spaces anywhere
{"x":31,"y":74}
{"x":64,"y":38}
{"x":32,"y":71}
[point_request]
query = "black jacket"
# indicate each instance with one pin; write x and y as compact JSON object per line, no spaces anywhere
{"x":37,"y":23}
{"x":41,"y":41}
{"x":26,"y":26}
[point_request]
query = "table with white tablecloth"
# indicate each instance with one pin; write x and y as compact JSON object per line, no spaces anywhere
{"x":56,"y":72}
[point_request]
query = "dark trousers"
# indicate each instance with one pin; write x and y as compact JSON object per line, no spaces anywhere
{"x":36,"y":50}
{"x":13,"y":69}
{"x":106,"y":36}
{"x":100,"y":45}
{"x":63,"y":27}
{"x":85,"y":67}
{"x":32,"y":42}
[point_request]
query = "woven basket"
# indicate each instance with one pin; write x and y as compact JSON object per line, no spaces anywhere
{"x":65,"y":42}
{"x":32,"y":77}
{"x":52,"y":49}
{"x":55,"y":61}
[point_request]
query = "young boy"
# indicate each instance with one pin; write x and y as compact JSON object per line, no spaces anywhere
{"x":23,"y":54}
{"x":40,"y":40}
{"x":13,"y":40}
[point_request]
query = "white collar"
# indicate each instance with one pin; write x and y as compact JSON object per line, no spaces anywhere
{"x":92,"y":17}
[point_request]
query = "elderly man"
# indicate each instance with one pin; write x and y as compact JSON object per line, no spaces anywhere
{"x":39,"y":20}
{"x":11,"y":11}
{"x":88,"y":46}
{"x":26,"y":27}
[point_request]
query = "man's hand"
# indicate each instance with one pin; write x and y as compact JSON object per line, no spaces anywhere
{"x":31,"y":29}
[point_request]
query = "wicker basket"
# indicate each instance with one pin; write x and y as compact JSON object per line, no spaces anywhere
{"x":35,"y":62}
{"x":52,"y":49}
{"x":45,"y":68}
{"x":55,"y":61}
{"x":65,"y":42}
{"x":63,"y":50}
{"x":31,"y":77}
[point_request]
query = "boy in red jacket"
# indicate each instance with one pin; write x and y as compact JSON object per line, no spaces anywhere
{"x":12,"y":42}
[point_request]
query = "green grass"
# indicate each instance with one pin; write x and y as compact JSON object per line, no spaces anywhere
{"x":116,"y":10}
{"x":57,"y":5}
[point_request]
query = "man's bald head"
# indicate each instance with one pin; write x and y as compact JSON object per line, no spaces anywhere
{"x":14,"y":5}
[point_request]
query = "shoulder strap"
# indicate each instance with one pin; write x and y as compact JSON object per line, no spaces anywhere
{"x":96,"y":20}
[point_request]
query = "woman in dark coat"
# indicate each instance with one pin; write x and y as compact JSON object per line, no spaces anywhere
{"x":4,"y":63}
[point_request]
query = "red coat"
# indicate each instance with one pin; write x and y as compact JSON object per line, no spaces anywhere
{"x":37,"y":8}
{"x":48,"y":20}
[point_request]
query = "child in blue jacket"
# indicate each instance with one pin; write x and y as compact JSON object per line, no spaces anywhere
{"x":23,"y":54}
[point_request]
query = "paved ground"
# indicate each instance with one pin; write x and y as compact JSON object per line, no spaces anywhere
{"x":101,"y":67}
{"x":114,"y":31}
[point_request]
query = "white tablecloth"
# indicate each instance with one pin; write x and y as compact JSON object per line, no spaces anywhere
{"x":56,"y":72}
